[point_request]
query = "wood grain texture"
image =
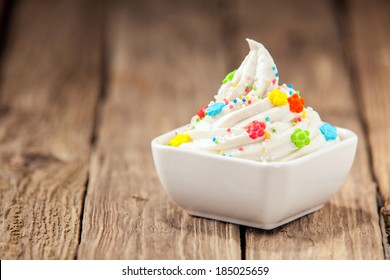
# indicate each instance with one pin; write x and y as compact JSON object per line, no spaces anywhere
{"x":50,"y":86}
{"x":306,"y":47}
{"x":369,"y":42}
{"x":165,"y":62}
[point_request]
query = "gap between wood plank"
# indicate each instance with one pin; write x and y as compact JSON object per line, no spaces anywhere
{"x":228,"y":26}
{"x":243,"y":242}
{"x":340,"y":10}
{"x":84,"y":195}
{"x":99,"y":108}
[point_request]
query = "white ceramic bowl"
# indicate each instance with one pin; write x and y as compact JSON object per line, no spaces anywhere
{"x":241,"y":191}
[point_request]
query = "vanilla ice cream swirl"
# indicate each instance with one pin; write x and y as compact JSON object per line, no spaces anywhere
{"x":253,"y":117}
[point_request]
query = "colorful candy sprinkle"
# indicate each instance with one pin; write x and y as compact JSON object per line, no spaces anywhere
{"x":229,"y":130}
{"x":277,"y":97}
{"x":300,"y":138}
{"x":256,"y":129}
{"x":267,"y":119}
{"x":240,"y":149}
{"x":215,"y":109}
{"x":202,"y":112}
{"x":304,"y":114}
{"x":290,"y":85}
{"x":329,"y":131}
{"x":248,"y":89}
{"x":179,"y":139}
{"x":267,"y":136}
{"x":296,"y":103}
{"x":229,"y":77}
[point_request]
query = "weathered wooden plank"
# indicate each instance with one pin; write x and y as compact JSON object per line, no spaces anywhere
{"x":369,"y":42}
{"x":2,"y":3}
{"x":304,"y":40}
{"x":50,"y":85}
{"x":4,"y":18}
{"x":166,"y":60}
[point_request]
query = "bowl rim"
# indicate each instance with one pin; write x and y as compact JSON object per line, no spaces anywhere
{"x":348,"y":137}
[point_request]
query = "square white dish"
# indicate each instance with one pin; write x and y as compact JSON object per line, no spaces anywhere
{"x":246,"y":192}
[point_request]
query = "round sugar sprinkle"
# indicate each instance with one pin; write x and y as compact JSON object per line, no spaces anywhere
{"x":229,"y":130}
{"x":290,"y":92}
{"x":290,"y":85}
{"x":276,"y":74}
{"x":235,"y":100}
{"x":267,"y":119}
{"x":273,"y":68}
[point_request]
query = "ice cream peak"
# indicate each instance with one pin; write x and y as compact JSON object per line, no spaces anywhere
{"x":257,"y":74}
{"x":254,"y":117}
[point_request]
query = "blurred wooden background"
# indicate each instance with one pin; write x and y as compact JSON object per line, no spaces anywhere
{"x":86,"y":85}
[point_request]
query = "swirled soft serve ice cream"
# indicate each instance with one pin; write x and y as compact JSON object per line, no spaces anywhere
{"x":253,"y":117}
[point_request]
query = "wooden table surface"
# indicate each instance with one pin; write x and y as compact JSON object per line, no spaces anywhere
{"x":86,"y":85}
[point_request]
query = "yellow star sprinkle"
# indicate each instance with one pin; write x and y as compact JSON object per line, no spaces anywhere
{"x":179,"y":139}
